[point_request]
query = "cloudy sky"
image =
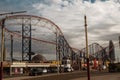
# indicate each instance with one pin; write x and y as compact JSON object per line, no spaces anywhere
{"x":103,"y":18}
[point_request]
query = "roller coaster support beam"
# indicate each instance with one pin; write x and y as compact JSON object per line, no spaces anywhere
{"x":11,"y":54}
{"x":2,"y":50}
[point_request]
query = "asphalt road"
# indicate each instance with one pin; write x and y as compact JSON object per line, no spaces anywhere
{"x":78,"y":75}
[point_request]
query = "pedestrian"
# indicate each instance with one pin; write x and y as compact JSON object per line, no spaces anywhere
{"x":99,"y":67}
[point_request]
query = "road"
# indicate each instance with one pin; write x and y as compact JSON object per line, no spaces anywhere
{"x":95,"y":75}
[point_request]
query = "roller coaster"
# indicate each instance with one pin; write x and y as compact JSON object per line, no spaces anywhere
{"x":28,"y":30}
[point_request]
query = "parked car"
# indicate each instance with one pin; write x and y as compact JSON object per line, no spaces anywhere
{"x":35,"y":71}
{"x":52,"y":70}
{"x":68,"y":69}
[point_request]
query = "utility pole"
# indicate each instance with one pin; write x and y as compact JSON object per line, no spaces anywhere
{"x":86,"y":36}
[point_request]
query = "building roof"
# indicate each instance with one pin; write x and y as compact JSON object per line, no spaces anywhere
{"x":38,"y":58}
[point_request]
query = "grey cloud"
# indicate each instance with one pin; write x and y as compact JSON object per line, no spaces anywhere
{"x":95,"y":29}
{"x":113,"y":36}
{"x":70,"y":18}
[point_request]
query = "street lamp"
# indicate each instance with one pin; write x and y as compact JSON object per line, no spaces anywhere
{"x":86,"y":36}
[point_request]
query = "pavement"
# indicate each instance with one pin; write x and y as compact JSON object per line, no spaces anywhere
{"x":103,"y":77}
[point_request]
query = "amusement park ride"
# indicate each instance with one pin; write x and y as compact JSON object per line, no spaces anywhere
{"x":25,"y":23}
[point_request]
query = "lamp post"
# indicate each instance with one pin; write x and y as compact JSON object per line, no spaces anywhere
{"x":86,"y":36}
